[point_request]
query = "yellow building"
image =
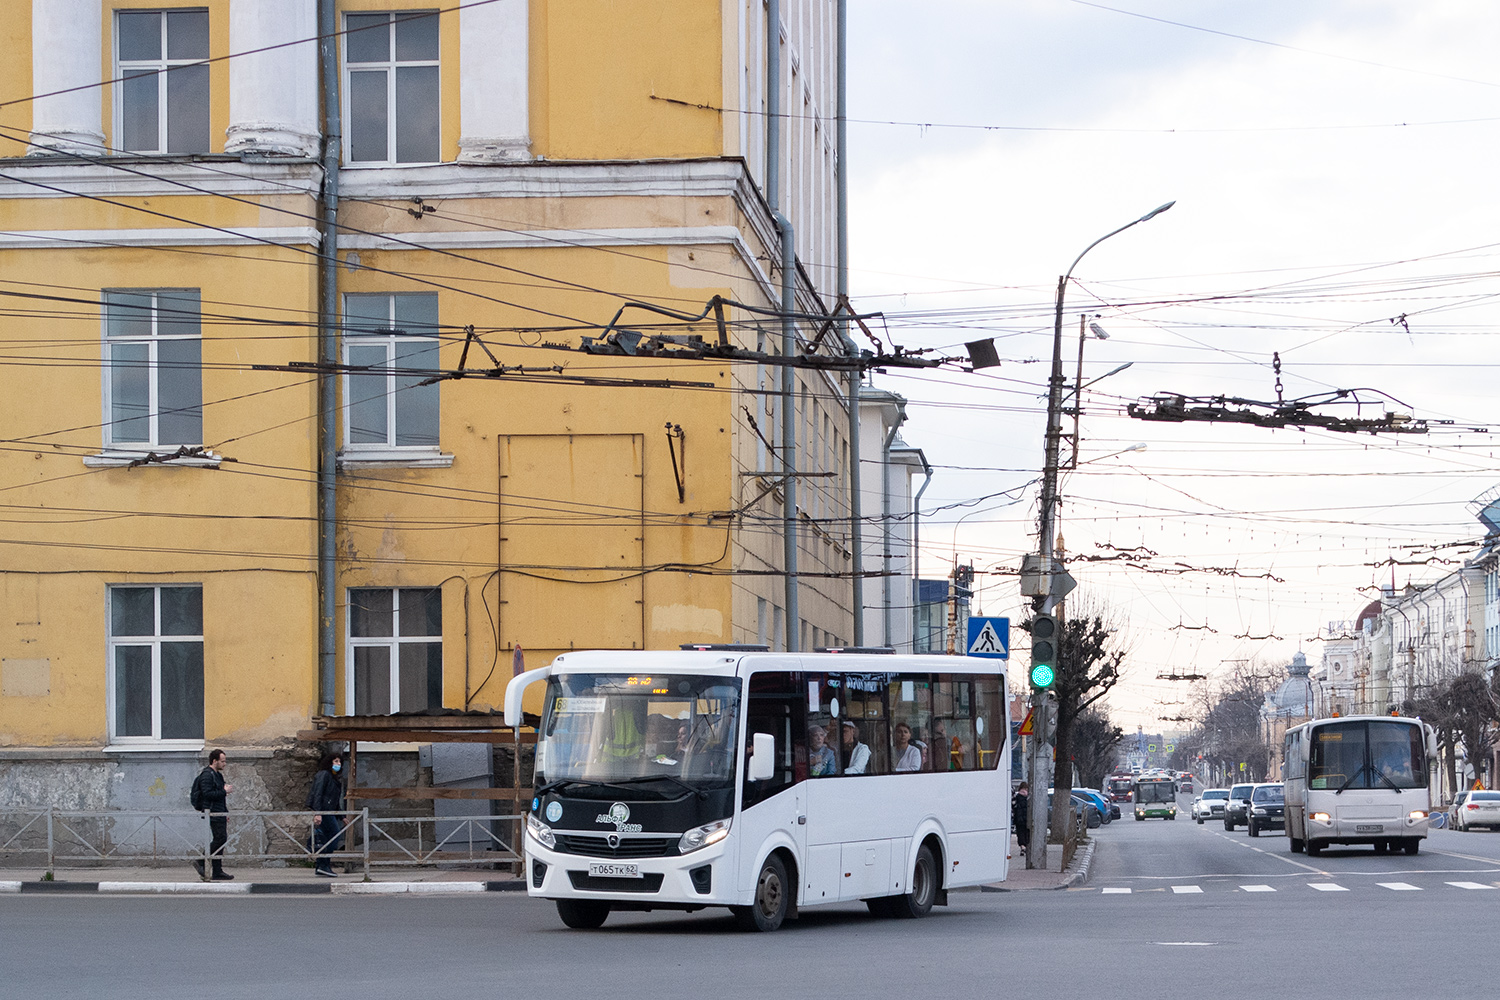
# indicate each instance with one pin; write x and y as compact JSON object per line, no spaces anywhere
{"x":506,"y":177}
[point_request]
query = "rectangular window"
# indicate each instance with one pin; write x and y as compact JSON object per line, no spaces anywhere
{"x":391,"y":87}
{"x":391,"y":335}
{"x":153,"y":368}
{"x":155,"y":664}
{"x":162,"y":100}
{"x":395,"y":650}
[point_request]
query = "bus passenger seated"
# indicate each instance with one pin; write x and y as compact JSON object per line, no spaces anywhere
{"x":908,"y":757}
{"x":857,"y":753}
{"x":821,"y":762}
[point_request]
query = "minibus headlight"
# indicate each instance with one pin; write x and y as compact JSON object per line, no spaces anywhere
{"x":540,"y":832}
{"x":1416,"y":814}
{"x":1319,"y":817}
{"x":702,"y":836}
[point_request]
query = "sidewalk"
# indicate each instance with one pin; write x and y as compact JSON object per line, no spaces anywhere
{"x":257,"y":880}
{"x":1053,"y":876}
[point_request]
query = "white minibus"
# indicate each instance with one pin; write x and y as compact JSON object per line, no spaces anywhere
{"x":764,"y":782}
{"x":1360,"y":779}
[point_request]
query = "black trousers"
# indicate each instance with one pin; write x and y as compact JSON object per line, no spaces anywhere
{"x":218,"y":828}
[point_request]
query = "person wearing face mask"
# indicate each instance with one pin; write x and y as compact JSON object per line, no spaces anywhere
{"x":325,"y":799}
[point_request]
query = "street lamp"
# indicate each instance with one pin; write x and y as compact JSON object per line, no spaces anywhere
{"x":1036,"y":857}
{"x":1054,"y":403}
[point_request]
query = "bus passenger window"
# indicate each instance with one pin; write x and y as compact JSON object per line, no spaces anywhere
{"x":910,"y":698}
{"x":990,"y":723}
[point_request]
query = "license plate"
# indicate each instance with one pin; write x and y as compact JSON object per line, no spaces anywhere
{"x":602,"y":870}
{"x":1370,"y":828}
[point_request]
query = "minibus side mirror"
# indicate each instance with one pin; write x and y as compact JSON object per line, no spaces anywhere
{"x":762,"y":763}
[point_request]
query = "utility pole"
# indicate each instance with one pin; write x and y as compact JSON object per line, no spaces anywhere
{"x":1043,"y":599}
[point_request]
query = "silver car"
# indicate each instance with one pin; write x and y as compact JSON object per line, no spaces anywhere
{"x":1210,"y":805}
{"x":1476,"y":808}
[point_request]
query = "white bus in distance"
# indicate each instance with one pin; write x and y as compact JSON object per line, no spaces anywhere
{"x":1360,"y":779}
{"x":764,"y":782}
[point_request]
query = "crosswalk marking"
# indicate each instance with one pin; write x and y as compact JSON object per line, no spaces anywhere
{"x":1121,"y":891}
{"x":1257,"y":888}
{"x":1327,"y":887}
{"x":1187,"y":888}
{"x":1469,"y":885}
{"x":1399,"y":886}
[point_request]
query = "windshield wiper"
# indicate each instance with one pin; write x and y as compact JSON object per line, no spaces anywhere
{"x":701,"y":793}
{"x":1345,"y":785}
{"x":559,"y":783}
{"x":1387,"y":779}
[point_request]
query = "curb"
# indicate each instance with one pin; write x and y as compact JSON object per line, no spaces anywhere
{"x":1081,"y":870}
{"x":267,"y":888}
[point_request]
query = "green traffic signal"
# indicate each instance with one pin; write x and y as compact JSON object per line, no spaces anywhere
{"x":1043,"y":652}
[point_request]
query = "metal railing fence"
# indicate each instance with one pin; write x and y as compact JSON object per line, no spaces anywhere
{"x":73,"y":838}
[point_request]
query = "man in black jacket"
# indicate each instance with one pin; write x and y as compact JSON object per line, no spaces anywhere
{"x":212,"y":791}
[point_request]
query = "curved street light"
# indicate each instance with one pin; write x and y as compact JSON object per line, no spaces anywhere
{"x":1036,"y":857}
{"x":1054,"y":401}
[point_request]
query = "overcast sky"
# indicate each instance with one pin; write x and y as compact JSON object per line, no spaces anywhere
{"x":1333,"y":168}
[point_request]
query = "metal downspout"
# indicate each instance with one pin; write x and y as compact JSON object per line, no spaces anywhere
{"x":885,"y":521}
{"x":788,"y":328}
{"x":328,"y":354}
{"x":788,"y":428}
{"x":916,"y":537}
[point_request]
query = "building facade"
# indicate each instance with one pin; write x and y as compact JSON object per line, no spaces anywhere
{"x":298,"y":422}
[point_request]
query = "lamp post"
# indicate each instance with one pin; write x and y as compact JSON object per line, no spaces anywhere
{"x":1036,"y":856}
{"x":1054,"y":402}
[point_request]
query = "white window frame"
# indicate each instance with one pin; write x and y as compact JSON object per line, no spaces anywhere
{"x":155,"y":641}
{"x":123,"y":452}
{"x":389,"y":67}
{"x":375,"y":454}
{"x":391,"y":642}
{"x":158,"y":66}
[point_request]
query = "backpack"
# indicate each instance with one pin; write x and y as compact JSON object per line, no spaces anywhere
{"x":195,"y":794}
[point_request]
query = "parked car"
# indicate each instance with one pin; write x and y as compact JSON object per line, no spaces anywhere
{"x":1267,"y":808}
{"x":1210,"y":805}
{"x":1086,"y":814}
{"x":1237,"y":807}
{"x":1106,"y":814}
{"x":1476,"y":808}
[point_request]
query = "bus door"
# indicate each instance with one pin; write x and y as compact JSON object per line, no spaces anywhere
{"x":774,"y":811}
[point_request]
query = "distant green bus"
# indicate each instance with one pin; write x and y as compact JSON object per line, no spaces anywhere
{"x":1156,"y":797}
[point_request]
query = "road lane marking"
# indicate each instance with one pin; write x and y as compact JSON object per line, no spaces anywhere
{"x":1187,"y":888}
{"x":1108,"y":892}
{"x":1186,"y":944}
{"x":1257,"y":888}
{"x":1399,"y":886}
{"x":1279,"y":857}
{"x":1327,"y":887}
{"x":1470,"y":885}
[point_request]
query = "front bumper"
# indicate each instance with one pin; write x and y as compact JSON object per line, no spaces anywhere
{"x":1340,"y":830}
{"x":676,"y":881}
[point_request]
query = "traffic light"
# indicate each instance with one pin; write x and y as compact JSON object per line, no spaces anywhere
{"x":1043,"y":652}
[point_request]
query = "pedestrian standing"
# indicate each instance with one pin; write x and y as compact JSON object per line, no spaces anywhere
{"x":325,"y":799}
{"x":1020,"y":816}
{"x":210,"y":789}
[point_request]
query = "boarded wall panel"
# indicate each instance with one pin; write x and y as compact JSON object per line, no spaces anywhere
{"x":571,"y":541}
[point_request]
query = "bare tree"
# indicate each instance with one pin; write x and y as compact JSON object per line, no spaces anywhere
{"x":1095,"y":739}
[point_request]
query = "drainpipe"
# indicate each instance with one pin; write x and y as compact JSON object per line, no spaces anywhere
{"x":788,"y":328}
{"x":916,"y":551}
{"x":841,"y":177}
{"x":885,"y":519}
{"x":328,"y":314}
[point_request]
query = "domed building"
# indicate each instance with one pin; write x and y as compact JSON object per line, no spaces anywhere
{"x":1290,"y":704}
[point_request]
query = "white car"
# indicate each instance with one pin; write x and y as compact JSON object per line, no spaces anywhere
{"x":1210,"y":805}
{"x":1477,"y":808}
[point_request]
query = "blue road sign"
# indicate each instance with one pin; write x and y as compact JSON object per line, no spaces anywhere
{"x":989,"y":637}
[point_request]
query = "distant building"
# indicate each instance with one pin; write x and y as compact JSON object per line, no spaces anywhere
{"x":1292,"y":703}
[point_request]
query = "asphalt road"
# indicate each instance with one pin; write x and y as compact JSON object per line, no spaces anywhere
{"x":1254,"y":927}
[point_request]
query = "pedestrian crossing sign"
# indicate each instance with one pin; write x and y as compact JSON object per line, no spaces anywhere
{"x":989,"y":637}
